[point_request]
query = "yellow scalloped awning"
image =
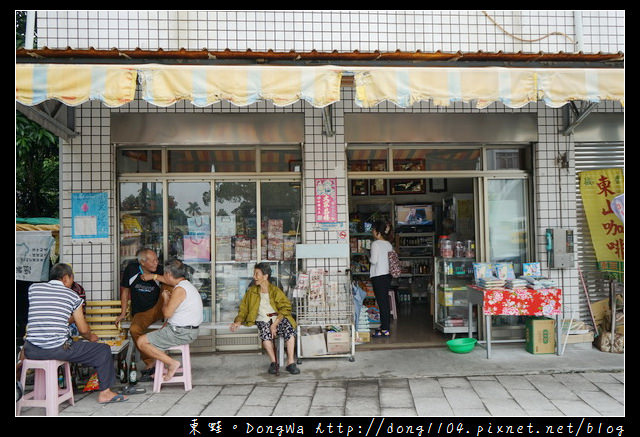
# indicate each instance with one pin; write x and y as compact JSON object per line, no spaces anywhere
{"x":203,"y":85}
{"x":74,"y":84}
{"x":241,"y":85}
{"x":513,"y":87}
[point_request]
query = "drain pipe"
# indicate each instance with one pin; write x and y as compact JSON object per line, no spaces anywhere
{"x":29,"y":33}
{"x":577,"y":24}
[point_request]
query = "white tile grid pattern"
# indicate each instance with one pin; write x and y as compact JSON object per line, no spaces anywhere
{"x":342,"y":30}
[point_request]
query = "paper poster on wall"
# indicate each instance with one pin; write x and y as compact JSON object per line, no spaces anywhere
{"x":89,"y":216}
{"x":326,"y":200}
{"x":33,"y":249}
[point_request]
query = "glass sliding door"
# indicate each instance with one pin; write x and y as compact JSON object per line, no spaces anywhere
{"x":236,"y":245}
{"x":508,"y":212}
{"x":140,"y":216}
{"x":280,"y":214}
{"x":189,"y":234}
{"x":508,"y":239}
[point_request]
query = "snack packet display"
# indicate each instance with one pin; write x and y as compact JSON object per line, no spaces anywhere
{"x":92,"y":384}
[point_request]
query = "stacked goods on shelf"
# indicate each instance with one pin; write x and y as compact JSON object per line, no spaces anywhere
{"x":490,"y":283}
{"x":243,"y":249}
{"x":515,"y":283}
{"x":275,"y":239}
{"x":539,"y":283}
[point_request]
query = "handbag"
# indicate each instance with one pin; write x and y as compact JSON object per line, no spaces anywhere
{"x":197,"y":248}
{"x":394,"y":264}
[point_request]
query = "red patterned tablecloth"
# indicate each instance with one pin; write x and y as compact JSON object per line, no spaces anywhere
{"x":521,"y":301}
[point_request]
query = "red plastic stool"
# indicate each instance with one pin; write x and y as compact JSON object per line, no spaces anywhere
{"x":46,"y":392}
{"x":184,"y":370}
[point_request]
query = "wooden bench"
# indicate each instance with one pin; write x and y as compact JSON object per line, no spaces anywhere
{"x":101,"y":316}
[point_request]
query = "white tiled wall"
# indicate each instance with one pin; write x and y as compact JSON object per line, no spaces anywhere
{"x":87,"y":162}
{"x":342,"y":30}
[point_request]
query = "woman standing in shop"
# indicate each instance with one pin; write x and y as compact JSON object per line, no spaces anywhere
{"x":379,"y":274}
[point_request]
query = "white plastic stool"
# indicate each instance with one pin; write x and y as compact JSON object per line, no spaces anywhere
{"x":392,"y":304}
{"x":183,"y":374}
{"x":46,"y":392}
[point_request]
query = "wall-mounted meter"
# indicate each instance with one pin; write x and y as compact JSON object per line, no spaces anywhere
{"x":560,"y":248}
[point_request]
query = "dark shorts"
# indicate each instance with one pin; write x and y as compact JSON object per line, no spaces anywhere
{"x":284,"y":330}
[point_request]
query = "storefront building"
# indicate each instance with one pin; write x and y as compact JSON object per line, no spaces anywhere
{"x":213,"y":155}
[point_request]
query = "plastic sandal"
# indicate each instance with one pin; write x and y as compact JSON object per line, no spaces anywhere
{"x":381,"y":333}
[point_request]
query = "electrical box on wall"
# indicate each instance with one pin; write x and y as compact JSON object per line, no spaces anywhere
{"x":560,"y":248}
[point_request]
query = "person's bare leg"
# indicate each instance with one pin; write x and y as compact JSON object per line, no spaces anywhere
{"x":155,"y":353}
{"x":268,"y":346}
{"x":291,"y":350}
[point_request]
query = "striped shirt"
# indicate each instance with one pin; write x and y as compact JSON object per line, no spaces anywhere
{"x":50,"y":306}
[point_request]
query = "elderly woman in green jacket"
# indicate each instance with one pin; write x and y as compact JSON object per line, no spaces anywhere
{"x":266,"y":306}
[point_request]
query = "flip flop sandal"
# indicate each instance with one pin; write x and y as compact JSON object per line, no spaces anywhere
{"x":128,"y":390}
{"x":116,"y":399}
{"x":146,"y":378}
{"x":381,"y":333}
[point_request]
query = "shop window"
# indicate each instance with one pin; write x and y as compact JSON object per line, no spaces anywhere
{"x":372,"y":159}
{"x":140,"y":219}
{"x":212,"y":161}
{"x":139,"y":161}
{"x":436,"y":159}
{"x":508,"y":159}
{"x":281,"y":160}
{"x":189,"y":236}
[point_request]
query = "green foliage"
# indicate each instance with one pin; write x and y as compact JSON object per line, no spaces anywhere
{"x":36,"y":170}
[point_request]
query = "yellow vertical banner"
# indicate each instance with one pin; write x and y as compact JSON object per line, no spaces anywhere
{"x":598,"y":189}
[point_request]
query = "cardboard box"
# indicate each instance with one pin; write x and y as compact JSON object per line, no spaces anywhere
{"x":445,"y":298}
{"x":313,"y":345}
{"x":338,"y":342}
{"x":579,"y":338}
{"x":363,"y":336}
{"x":540,"y":335}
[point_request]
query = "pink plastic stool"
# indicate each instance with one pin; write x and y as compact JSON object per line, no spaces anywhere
{"x":184,"y":370}
{"x":46,"y":392}
{"x":392,"y":304}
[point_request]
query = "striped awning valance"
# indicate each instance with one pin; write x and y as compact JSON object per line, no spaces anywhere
{"x":513,"y":87}
{"x":204,"y":85}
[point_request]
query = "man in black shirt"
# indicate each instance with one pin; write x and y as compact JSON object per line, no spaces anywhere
{"x":146,"y":307}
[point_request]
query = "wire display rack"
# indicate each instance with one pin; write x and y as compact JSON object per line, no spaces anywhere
{"x":324,"y":302}
{"x":324,"y":299}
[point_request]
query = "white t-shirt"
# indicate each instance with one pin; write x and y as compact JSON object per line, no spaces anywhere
{"x":379,"y":259}
{"x":189,"y":312}
{"x":265,"y":308}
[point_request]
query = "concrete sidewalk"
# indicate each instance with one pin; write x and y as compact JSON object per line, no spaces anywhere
{"x":399,"y":382}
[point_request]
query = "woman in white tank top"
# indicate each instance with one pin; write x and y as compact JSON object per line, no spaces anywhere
{"x":183,"y":310}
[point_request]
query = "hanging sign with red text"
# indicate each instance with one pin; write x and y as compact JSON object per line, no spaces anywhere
{"x":326,"y":199}
{"x":598,"y":189}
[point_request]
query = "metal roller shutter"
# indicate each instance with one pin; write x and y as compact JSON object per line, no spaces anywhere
{"x":591,"y":156}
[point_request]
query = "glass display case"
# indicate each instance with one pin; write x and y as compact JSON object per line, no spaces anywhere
{"x":451,"y":304}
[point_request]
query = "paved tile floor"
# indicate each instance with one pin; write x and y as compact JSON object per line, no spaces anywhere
{"x":411,"y":382}
{"x":570,"y":394}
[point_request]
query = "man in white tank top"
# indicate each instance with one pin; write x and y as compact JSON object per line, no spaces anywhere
{"x":182,"y":309}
